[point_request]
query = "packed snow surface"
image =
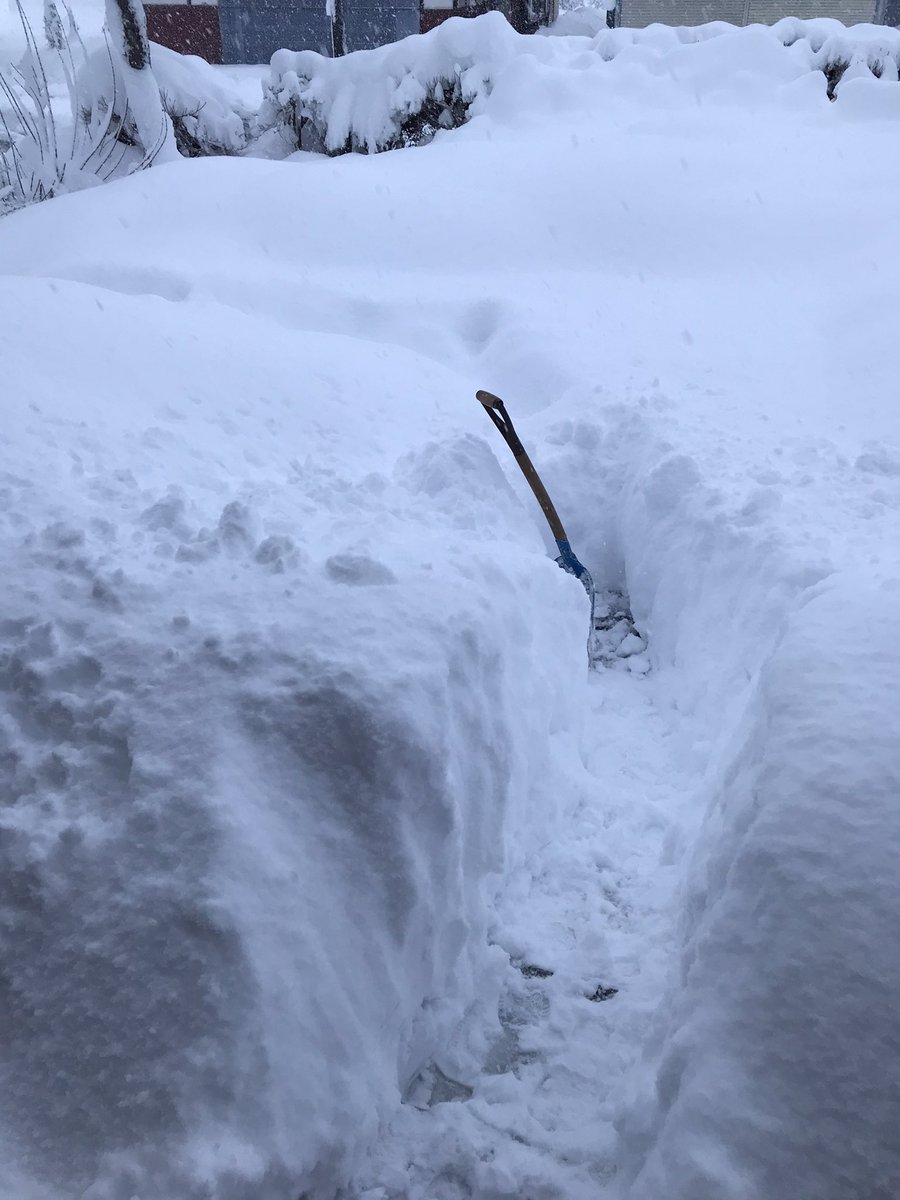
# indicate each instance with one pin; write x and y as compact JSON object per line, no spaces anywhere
{"x":325,"y":866}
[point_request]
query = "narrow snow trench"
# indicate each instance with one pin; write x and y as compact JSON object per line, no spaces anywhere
{"x":586,"y":926}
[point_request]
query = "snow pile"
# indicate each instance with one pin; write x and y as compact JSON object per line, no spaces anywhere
{"x":262,"y":731}
{"x":784,"y":1031}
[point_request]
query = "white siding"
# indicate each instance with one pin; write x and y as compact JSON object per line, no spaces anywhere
{"x":851,"y":12}
{"x":637,"y":13}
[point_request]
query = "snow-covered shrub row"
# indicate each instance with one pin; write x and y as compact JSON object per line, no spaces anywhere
{"x":392,"y":96}
{"x":813,"y":45}
{"x":397,"y":95}
{"x":402,"y":94}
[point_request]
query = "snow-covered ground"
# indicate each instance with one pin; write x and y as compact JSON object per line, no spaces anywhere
{"x":307,"y":789}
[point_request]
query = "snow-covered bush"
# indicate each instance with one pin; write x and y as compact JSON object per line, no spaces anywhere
{"x":207,"y":117}
{"x":393,"y":96}
{"x":82,"y":114}
{"x":822,"y":45}
{"x":842,"y":55}
{"x":108,"y":130}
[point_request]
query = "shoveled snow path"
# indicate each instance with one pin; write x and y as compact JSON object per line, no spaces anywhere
{"x":597,"y":909}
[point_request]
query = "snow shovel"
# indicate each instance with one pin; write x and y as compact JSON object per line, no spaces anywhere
{"x":612,"y":634}
{"x":496,"y":410}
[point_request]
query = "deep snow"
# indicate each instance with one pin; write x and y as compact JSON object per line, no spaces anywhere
{"x":304,"y":772}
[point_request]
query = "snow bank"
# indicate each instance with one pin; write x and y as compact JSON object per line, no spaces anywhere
{"x":773,"y":622}
{"x":262,"y":728}
{"x":778,"y":1063}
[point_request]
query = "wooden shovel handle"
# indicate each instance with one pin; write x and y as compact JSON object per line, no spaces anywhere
{"x":496,"y":410}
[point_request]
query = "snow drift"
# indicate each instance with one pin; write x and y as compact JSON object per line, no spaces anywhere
{"x":261,"y":734}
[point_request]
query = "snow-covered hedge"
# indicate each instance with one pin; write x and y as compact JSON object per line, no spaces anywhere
{"x":395,"y":95}
{"x":208,"y":116}
{"x":822,"y":44}
{"x":402,"y":94}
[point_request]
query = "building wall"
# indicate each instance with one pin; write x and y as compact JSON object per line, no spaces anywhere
{"x":187,"y":28}
{"x":637,"y":13}
{"x":252,"y":32}
{"x":375,"y":24}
